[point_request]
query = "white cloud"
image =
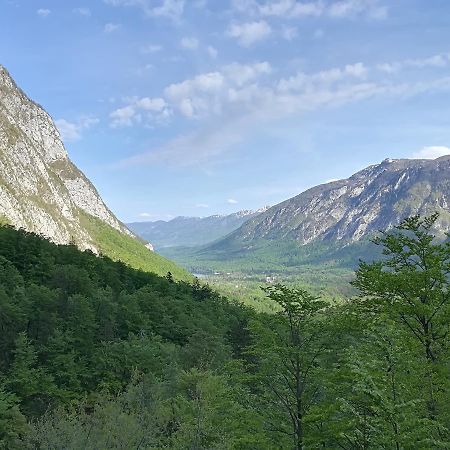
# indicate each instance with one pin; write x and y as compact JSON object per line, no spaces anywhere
{"x":172,"y":9}
{"x":212,"y":52}
{"x":152,"y":110}
{"x":201,"y":205}
{"x":356,"y":70}
{"x":232,"y":101}
{"x":72,"y":131}
{"x":432,"y":152}
{"x":111,"y":27}
{"x":435,"y":61}
{"x":189,"y":43}
{"x":207,"y":93}
{"x":302,"y":80}
{"x":249,"y":33}
{"x":349,"y":8}
{"x":232,"y":201}
{"x":44,"y":13}
{"x":124,"y":117}
{"x":86,"y":12}
{"x":289,"y":9}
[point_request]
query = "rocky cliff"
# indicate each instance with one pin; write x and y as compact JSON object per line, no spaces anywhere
{"x":42,"y":191}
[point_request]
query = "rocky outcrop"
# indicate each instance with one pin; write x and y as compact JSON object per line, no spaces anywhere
{"x":41,"y":190}
{"x":373,"y":199}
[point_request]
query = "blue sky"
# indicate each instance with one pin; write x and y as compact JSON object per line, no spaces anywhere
{"x":199,"y":107}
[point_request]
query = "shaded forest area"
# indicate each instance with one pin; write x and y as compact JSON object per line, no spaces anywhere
{"x":97,"y":355}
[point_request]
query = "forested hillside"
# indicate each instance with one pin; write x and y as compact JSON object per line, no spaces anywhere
{"x":95,"y":354}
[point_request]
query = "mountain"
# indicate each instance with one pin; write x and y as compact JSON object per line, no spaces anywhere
{"x":349,"y":210}
{"x":330,"y":224}
{"x":192,"y":231}
{"x":42,"y":191}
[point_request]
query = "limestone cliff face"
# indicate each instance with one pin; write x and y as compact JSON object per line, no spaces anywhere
{"x":41,"y":190}
{"x":373,"y":199}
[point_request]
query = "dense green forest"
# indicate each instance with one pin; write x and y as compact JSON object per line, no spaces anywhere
{"x":97,"y":355}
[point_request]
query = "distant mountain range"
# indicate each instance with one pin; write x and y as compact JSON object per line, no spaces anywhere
{"x":331,"y":223}
{"x":42,"y":191}
{"x":191,"y":231}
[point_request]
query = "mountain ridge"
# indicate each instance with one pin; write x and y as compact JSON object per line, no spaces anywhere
{"x":43,"y":192}
{"x":375,"y":198}
{"x":191,"y":231}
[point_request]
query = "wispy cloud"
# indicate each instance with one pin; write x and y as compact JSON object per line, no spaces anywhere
{"x":229,"y":103}
{"x":189,"y":43}
{"x":289,"y":33}
{"x":85,"y":12}
{"x":72,"y":131}
{"x":172,"y":9}
{"x":432,"y":152}
{"x":232,"y":201}
{"x":43,"y":13}
{"x":249,"y":33}
{"x":289,"y":9}
{"x":212,"y":52}
{"x":437,"y":61}
{"x":111,"y":27}
{"x":151,"y":48}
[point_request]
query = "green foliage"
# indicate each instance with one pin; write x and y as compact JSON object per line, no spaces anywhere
{"x":13,"y":426}
{"x":288,"y":355}
{"x":95,"y":354}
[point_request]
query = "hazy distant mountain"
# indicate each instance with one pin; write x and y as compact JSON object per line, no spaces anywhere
{"x":42,"y":191}
{"x":191,"y":231}
{"x":373,"y":199}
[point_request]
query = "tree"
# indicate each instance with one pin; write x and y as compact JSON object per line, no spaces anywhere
{"x":31,"y":383}
{"x":287,"y":353}
{"x":13,"y":424}
{"x":411,"y":284}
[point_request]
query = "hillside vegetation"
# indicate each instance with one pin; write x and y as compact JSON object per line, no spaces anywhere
{"x":95,"y":354}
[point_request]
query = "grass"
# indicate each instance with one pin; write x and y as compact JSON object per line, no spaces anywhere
{"x":121,"y":247}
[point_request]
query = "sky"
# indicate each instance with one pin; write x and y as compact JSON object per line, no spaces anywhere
{"x":201,"y":107}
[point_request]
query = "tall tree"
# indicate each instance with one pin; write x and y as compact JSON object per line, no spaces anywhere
{"x":412,"y":285}
{"x":287,"y":353}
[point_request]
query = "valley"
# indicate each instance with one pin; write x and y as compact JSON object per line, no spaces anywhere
{"x":148,"y":298}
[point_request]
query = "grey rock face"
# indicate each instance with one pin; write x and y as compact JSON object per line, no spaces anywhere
{"x":41,"y":190}
{"x":373,"y":199}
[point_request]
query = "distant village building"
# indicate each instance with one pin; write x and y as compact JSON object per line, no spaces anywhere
{"x":270,"y":279}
